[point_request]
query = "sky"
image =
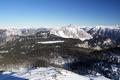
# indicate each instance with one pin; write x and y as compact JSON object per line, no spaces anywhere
{"x":59,"y":12}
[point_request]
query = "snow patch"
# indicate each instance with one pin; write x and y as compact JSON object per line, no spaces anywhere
{"x":49,"y":42}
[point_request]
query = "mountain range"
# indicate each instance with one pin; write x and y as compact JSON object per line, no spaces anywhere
{"x":82,"y":50}
{"x":94,"y":37}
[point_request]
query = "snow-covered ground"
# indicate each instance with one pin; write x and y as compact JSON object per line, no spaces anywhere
{"x":50,"y":42}
{"x":48,"y":73}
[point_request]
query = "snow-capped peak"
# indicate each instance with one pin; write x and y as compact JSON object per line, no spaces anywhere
{"x":71,"y":31}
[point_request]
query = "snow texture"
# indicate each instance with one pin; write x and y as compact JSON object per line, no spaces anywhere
{"x":48,"y":73}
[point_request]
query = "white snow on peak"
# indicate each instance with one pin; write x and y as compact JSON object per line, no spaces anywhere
{"x":13,"y":32}
{"x":71,"y":31}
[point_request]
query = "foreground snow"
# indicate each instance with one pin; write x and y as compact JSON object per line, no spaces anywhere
{"x":47,"y":74}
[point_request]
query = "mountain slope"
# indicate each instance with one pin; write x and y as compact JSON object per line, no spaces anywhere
{"x":71,"y":32}
{"x":112,"y":32}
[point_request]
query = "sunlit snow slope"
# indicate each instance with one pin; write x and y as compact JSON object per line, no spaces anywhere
{"x":71,"y":32}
